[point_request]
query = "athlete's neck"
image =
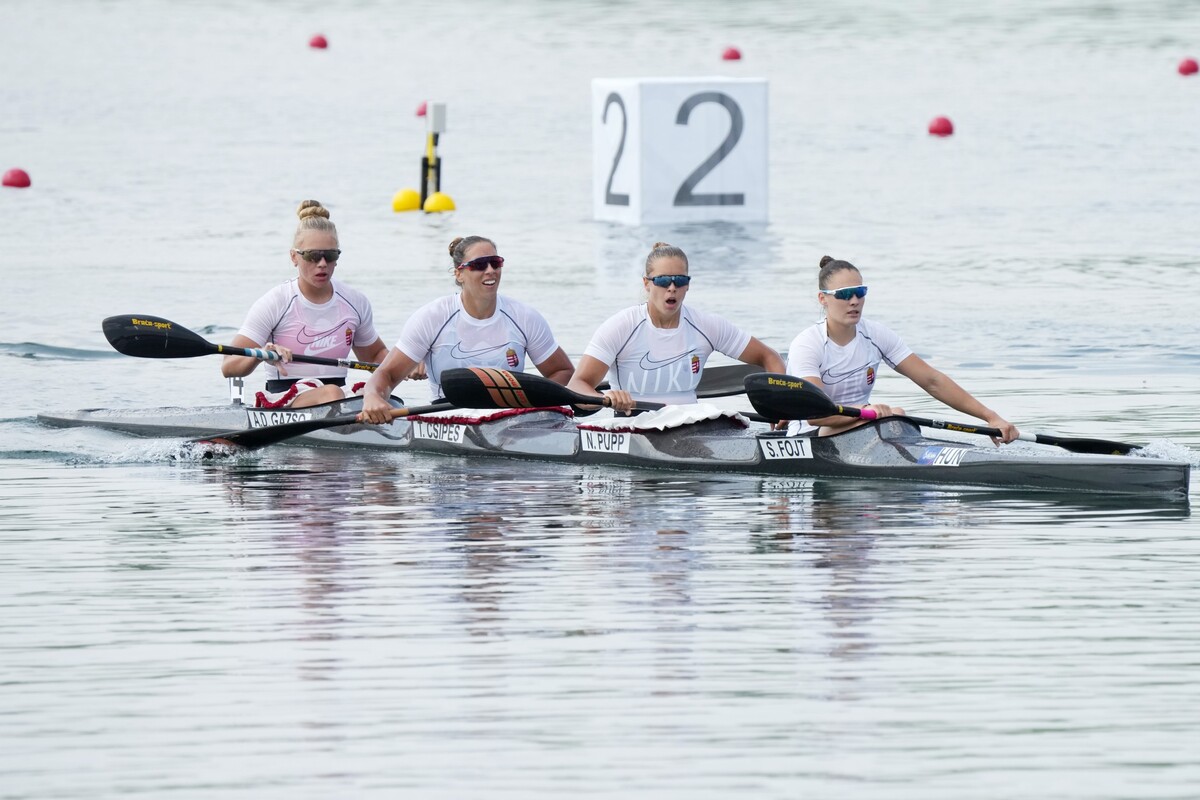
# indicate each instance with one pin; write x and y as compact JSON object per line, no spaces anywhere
{"x":314,"y":295}
{"x":658,"y":321}
{"x":841,"y":335}
{"x":479,"y":308}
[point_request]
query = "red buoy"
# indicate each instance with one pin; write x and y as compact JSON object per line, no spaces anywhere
{"x":732,"y":54}
{"x":941,"y":126}
{"x":422,"y":109}
{"x":17,"y":178}
{"x":319,"y":42}
{"x":1188,"y":67}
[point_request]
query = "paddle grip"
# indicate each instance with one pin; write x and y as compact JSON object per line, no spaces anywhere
{"x":867,"y":413}
{"x":249,"y":352}
{"x":262,"y":355}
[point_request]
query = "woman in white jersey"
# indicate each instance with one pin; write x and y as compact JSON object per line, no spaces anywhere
{"x":475,"y":327}
{"x":313,"y":315}
{"x":842,"y":354}
{"x":655,"y":351}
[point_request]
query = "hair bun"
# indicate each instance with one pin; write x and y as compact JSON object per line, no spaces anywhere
{"x":825,"y":260}
{"x":659,"y":244}
{"x":312,"y":208}
{"x":454,"y":244}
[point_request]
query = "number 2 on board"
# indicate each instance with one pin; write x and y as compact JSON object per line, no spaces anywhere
{"x":686,"y":149}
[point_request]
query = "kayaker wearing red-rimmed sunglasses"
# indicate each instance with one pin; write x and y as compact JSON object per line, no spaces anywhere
{"x":475,"y":327}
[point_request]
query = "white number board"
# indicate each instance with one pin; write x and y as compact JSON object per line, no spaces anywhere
{"x":679,"y":149}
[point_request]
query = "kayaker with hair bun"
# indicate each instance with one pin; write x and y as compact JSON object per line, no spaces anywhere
{"x":841,"y":354}
{"x":656,"y":351}
{"x":311,"y":314}
{"x":475,"y":327}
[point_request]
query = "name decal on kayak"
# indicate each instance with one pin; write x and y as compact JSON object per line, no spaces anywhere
{"x":263,"y":419}
{"x":438,"y":432}
{"x":791,"y":447}
{"x":604,"y":441}
{"x":942,"y":456}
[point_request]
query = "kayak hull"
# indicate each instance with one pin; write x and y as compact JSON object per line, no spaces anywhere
{"x":889,"y":449}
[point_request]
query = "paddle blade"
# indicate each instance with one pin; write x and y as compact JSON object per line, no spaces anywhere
{"x":256,"y":438}
{"x":484,"y":387}
{"x":144,"y":336}
{"x":1093,"y":447}
{"x":785,"y":397}
{"x":725,"y":381}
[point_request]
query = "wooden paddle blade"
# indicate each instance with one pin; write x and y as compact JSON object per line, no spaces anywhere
{"x":786,"y":397}
{"x":256,"y":438}
{"x":485,"y":387}
{"x":144,"y":336}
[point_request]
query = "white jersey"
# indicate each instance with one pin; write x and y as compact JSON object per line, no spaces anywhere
{"x":848,"y":373}
{"x":444,"y":336}
{"x":662,"y":365}
{"x":328,"y":330}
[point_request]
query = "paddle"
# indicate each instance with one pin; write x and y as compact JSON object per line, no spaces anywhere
{"x":144,"y":336}
{"x":255,"y":438}
{"x":721,"y":381}
{"x":786,"y":397}
{"x":485,"y":387}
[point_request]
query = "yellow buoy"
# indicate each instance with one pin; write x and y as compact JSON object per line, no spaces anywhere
{"x":406,"y":200}
{"x":438,"y":202}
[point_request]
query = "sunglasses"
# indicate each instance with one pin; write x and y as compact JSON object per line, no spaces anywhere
{"x":482,"y":263}
{"x":663,"y":281}
{"x":846,"y":293}
{"x":315,"y":256}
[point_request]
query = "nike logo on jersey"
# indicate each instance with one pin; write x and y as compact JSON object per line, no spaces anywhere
{"x":334,"y":334}
{"x":462,"y":354}
{"x":649,"y":363}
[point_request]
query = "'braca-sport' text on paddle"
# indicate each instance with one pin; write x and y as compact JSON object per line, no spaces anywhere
{"x":485,"y":387}
{"x":144,"y":336}
{"x":788,"y":397}
{"x":255,"y":438}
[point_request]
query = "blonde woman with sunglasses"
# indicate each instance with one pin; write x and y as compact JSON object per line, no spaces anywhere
{"x":312,"y":315}
{"x":656,"y":351}
{"x":475,"y":327}
{"x":842,"y":353}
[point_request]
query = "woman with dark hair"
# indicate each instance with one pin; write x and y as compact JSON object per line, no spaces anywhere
{"x":475,"y":327}
{"x":841,"y":355}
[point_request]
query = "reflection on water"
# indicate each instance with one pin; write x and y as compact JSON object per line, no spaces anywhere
{"x":324,"y":603}
{"x":304,"y":624}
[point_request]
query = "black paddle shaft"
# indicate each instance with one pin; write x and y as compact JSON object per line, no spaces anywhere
{"x":788,"y":397}
{"x":146,"y":336}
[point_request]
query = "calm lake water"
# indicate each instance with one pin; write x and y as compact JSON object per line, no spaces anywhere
{"x":299,"y":623}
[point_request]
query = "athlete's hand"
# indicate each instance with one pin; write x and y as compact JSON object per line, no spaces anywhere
{"x":882,"y":410}
{"x":619,"y":400}
{"x":284,"y":353}
{"x":1009,"y":431}
{"x":376,"y":410}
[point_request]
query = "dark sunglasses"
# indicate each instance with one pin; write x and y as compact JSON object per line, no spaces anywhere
{"x":663,"y":281}
{"x":315,"y":256}
{"x":482,"y":263}
{"x":846,"y":293}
